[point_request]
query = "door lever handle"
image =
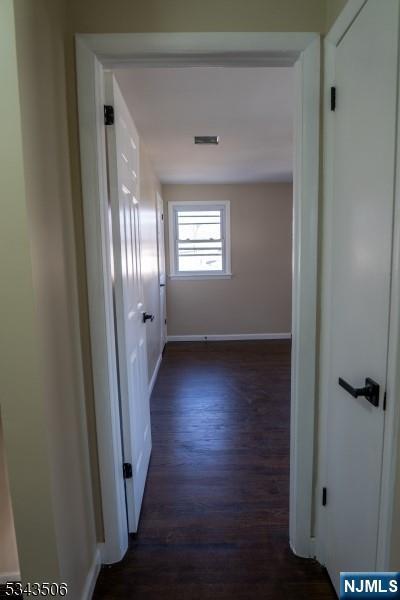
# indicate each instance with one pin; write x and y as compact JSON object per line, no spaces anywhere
{"x":147,"y":317}
{"x":370,"y":391}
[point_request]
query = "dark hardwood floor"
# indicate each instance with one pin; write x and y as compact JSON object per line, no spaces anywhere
{"x":214,"y":522}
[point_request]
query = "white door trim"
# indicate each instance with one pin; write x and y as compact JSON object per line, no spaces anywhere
{"x":392,"y":417}
{"x":304,"y":294}
{"x":90,"y":82}
{"x":93,"y":53}
{"x":391,"y":444}
{"x":161,"y":267}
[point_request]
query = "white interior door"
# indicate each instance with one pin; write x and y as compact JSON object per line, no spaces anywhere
{"x":362,"y":220}
{"x":161,"y":270}
{"x":123,"y":170}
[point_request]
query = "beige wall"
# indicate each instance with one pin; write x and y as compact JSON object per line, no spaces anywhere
{"x":257,"y":299}
{"x":333,"y":9}
{"x":9,"y":563}
{"x":21,"y":393}
{"x":90,"y":16}
{"x":40,"y":29}
{"x":149,"y":186}
{"x":42,"y":393}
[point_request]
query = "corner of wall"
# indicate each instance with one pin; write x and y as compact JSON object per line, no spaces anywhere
{"x":333,"y":8}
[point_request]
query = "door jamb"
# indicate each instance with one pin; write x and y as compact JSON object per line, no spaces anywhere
{"x":163,"y":334}
{"x":391,"y":448}
{"x":93,"y":54}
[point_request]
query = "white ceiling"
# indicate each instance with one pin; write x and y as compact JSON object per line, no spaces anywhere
{"x":249,"y":108}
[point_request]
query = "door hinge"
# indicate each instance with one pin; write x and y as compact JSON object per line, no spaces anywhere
{"x":384,"y":401}
{"x":127,"y":470}
{"x":333,"y":98}
{"x":324,"y":496}
{"x":108,"y":114}
{"x":165,"y":321}
{"x":162,"y":217}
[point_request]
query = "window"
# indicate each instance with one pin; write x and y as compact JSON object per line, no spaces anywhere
{"x":199,"y":236}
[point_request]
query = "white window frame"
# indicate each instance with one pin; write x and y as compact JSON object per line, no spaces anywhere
{"x":173,"y":207}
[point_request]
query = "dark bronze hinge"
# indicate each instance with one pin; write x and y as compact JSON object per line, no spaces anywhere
{"x":127,"y":470}
{"x":108,"y":114}
{"x":333,"y":98}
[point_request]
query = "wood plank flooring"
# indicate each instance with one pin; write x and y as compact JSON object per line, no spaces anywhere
{"x":214,"y":523}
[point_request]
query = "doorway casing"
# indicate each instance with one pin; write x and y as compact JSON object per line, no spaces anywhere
{"x":96,"y":53}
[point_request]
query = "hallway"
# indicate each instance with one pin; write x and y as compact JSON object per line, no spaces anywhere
{"x":214,"y":521}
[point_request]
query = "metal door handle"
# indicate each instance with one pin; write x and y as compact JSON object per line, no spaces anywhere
{"x":370,"y":391}
{"x":147,"y":317}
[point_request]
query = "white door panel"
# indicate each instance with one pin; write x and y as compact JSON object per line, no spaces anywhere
{"x":362,"y":210}
{"x":123,"y":169}
{"x":161,"y":270}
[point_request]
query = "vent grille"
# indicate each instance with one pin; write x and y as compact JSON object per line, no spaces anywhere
{"x":206,"y":139}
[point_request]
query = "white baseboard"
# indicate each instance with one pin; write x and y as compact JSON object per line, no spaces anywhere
{"x":92,"y":576}
{"x":155,"y":373}
{"x":13,"y":576}
{"x":229,"y":336}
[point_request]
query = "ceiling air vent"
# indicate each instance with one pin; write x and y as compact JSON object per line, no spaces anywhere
{"x":206,"y":139}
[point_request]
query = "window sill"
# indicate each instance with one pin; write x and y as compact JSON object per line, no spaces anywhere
{"x":202,"y":276}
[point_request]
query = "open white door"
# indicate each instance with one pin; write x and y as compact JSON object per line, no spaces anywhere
{"x":161,"y":270}
{"x":364,"y":130}
{"x":123,"y":173}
